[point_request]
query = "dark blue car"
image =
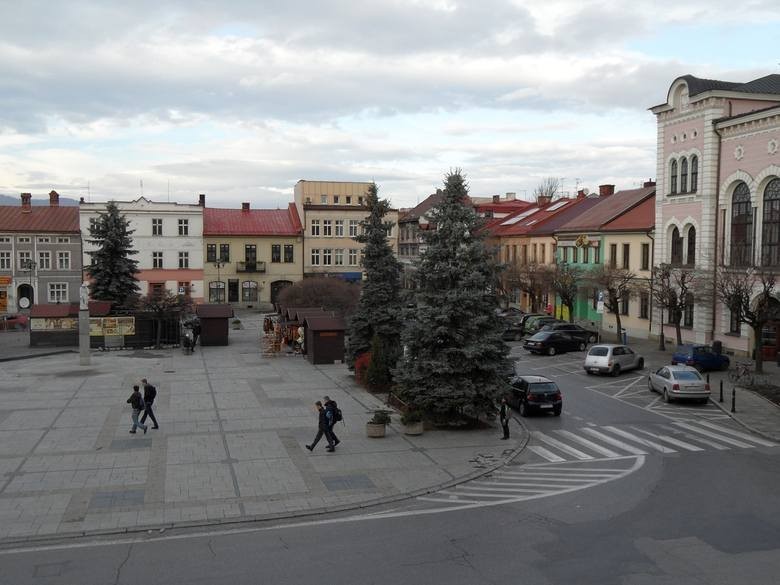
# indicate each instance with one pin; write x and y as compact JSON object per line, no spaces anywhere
{"x":700,"y":357}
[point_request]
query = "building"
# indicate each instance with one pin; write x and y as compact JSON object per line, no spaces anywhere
{"x":251,"y":254}
{"x":410,"y":242}
{"x":331,"y":212}
{"x":169,"y":241}
{"x":40,"y":254}
{"x":718,"y":201}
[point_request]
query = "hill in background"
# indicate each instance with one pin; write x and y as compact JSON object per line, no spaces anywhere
{"x":16,"y":200}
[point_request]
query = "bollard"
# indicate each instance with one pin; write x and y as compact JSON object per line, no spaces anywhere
{"x":708,"y":377}
{"x":733,"y":400}
{"x":721,"y":391}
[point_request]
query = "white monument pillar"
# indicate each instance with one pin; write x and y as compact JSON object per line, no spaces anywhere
{"x":84,"y":324}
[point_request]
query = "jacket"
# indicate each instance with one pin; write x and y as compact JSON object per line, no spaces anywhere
{"x":150,"y":393}
{"x":503,"y":412}
{"x":324,"y":422}
{"x":136,"y":401}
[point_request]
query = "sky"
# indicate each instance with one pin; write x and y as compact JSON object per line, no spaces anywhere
{"x":240,"y":99}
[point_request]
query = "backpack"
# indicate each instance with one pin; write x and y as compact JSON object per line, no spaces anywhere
{"x":337,"y":416}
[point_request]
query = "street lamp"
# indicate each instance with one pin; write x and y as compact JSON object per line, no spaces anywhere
{"x":219,"y":264}
{"x":29,"y":267}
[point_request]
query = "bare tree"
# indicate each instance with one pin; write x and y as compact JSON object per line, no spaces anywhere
{"x":332,"y":294}
{"x":165,"y":306}
{"x":674,"y":289}
{"x":749,"y":294}
{"x":620,"y":285}
{"x":564,"y":280}
{"x":546,"y":190}
{"x":533,"y":279}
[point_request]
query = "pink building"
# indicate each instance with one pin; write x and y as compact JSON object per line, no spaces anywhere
{"x":718,"y":194}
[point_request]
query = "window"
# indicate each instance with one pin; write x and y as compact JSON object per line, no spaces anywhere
{"x":184,"y":288}
{"x":157,"y":259}
{"x":348,"y":200}
{"x":335,"y":200}
{"x":326,"y":256}
{"x":25,"y":260}
{"x":44,"y":260}
{"x":585,"y":254}
{"x":597,"y":254}
{"x":741,"y":227}
{"x":613,"y":255}
{"x":676,"y":247}
{"x":58,"y":292}
{"x":353,"y":257}
{"x":691,"y":257}
{"x":735,"y":323}
{"x":645,"y":256}
{"x":541,"y":253}
{"x":315,"y":227}
{"x":23,"y":240}
{"x":533,"y":253}
{"x":276,"y":252}
{"x":63,"y":260}
{"x":327,"y":230}
{"x":5,"y":240}
{"x":250,"y":253}
{"x":339,"y":228}
{"x":673,"y":177}
{"x":217,"y":292}
{"x":770,"y":239}
{"x":684,"y":175}
{"x":688,"y":312}
{"x":211,"y":252}
{"x":184,"y":259}
{"x":338,"y":257}
{"x":626,"y":256}
{"x":694,"y":173}
{"x":524,"y":254}
{"x":224,"y":252}
{"x":63,"y":240}
{"x":360,"y":200}
{"x":323,"y":199}
{"x":565,"y":254}
{"x":249,"y":291}
{"x":353,"y":227}
{"x":156,"y":289}
{"x":624,"y":306}
{"x":184,"y":227}
{"x":288,"y":253}
{"x":5,"y":260}
{"x":315,"y":257}
{"x":644,"y":305}
{"x":157,"y":226}
{"x":44,"y":240}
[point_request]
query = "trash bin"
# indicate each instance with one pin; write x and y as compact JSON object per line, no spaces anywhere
{"x":624,"y":335}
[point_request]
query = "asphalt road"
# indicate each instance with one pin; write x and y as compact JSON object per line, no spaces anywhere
{"x":621,"y":489}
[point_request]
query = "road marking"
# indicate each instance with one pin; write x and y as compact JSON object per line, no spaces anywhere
{"x":714,"y":436}
{"x":670,"y":440}
{"x":620,"y":393}
{"x":614,"y":442}
{"x":738,"y":434}
{"x":561,"y":446}
{"x":544,"y":453}
{"x":549,"y":473}
{"x":692,"y":437}
{"x":590,"y":444}
{"x":640,"y":440}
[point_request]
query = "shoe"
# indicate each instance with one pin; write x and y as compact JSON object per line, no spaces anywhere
{"x":330,"y":449}
{"x":132,"y":432}
{"x":310,"y":448}
{"x":504,"y":438}
{"x":156,"y":427}
{"x":145,"y":429}
{"x":336,"y":442}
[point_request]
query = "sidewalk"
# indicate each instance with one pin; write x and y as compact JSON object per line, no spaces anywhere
{"x":230,"y":447}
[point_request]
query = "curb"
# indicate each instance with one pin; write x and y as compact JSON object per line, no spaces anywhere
{"x":35,"y":355}
{"x":743,"y":423}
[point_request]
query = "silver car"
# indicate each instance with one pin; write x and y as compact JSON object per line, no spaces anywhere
{"x":678,"y":382}
{"x":609,"y":358}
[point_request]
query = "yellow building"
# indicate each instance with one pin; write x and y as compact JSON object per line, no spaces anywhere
{"x":251,"y":254}
{"x":331,"y":213}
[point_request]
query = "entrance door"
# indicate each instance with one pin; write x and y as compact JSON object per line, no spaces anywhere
{"x":25,"y":296}
{"x":277,"y":287}
{"x":232,"y":291}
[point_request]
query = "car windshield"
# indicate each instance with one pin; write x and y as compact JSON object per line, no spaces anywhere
{"x":541,"y":336}
{"x":542,"y":387}
{"x":599,"y":351}
{"x":686,"y":375}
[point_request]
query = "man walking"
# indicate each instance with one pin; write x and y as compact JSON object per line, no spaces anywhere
{"x":150,"y":393}
{"x":331,"y":408}
{"x":137,"y":402}
{"x":323,"y":428}
{"x":504,"y":414}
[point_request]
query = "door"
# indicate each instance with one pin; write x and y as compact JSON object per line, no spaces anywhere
{"x":25,"y":296}
{"x":277,"y":287}
{"x":232,"y":290}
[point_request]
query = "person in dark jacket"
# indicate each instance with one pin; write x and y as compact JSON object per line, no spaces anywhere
{"x":323,"y":428}
{"x":504,"y":414}
{"x":150,"y":393}
{"x":330,"y":409}
{"x":195,"y":333}
{"x":137,"y":402}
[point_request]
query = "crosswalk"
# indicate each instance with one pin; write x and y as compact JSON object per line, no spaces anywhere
{"x":613,"y":441}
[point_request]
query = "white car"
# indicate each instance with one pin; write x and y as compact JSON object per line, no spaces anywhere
{"x":678,"y":382}
{"x":610,"y":358}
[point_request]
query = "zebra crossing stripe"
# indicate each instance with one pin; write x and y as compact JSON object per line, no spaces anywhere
{"x":670,"y":440}
{"x":640,"y":440}
{"x":721,"y":438}
{"x":739,"y":434}
{"x":698,"y":439}
{"x":561,"y":446}
{"x":513,"y":487}
{"x":544,"y":453}
{"x":511,"y":474}
{"x":589,"y":444}
{"x":614,"y":442}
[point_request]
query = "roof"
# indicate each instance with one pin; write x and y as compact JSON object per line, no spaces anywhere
{"x":325,"y":323}
{"x":289,"y":312}
{"x":534,"y":219}
{"x":641,"y":217}
{"x":39,"y":219}
{"x":415,"y":213}
{"x":213,"y":311}
{"x":251,"y":222}
{"x":608,"y":209}
{"x":767,"y":84}
{"x":565,"y":215}
{"x":504,"y":206}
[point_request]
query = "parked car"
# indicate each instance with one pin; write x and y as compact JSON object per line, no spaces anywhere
{"x":510,"y":314}
{"x":572,"y":329}
{"x":609,"y":358}
{"x":512,"y":331}
{"x":535,"y":394}
{"x":535,"y":323}
{"x":552,"y":342}
{"x":13,"y":322}
{"x":700,"y":357}
{"x":679,"y":382}
{"x":525,"y":318}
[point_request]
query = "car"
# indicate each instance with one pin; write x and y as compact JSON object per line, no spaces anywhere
{"x":572,"y":329}
{"x":13,"y":322}
{"x":535,"y":394}
{"x":524,"y":319}
{"x":609,"y":358}
{"x":512,"y":331}
{"x":701,"y":357}
{"x":552,"y":342}
{"x":533,"y":324}
{"x":679,"y":382}
{"x":510,"y":314}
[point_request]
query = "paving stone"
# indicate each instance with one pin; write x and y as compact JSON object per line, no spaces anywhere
{"x":134,"y":443}
{"x":116,"y":499}
{"x":357,"y":481}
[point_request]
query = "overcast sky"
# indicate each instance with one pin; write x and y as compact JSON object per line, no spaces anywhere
{"x":239,"y":99}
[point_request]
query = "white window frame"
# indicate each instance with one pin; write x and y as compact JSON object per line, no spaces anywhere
{"x":63,"y":255}
{"x":23,"y":256}
{"x":184,"y":260}
{"x":353,"y":257}
{"x":338,"y":257}
{"x":353,"y":227}
{"x":327,"y":256}
{"x":44,"y":260}
{"x":184,"y":227}
{"x":157,"y":226}
{"x":63,"y":239}
{"x":155,"y":257}
{"x":44,"y":240}
{"x":5,"y":239}
{"x":58,"y":292}
{"x":315,"y":227}
{"x":327,"y":228}
{"x":339,"y":228}
{"x":323,"y":199}
{"x":5,"y":260}
{"x":24,"y":240}
{"x":315,"y":256}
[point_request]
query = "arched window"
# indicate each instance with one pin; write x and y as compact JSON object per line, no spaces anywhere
{"x":673,"y":176}
{"x":676,"y":247}
{"x":688,"y":312}
{"x":216,"y":291}
{"x":770,"y":232}
{"x":683,"y":175}
{"x":691,"y":256}
{"x":694,"y":173}
{"x":249,"y":291}
{"x":741,"y":227}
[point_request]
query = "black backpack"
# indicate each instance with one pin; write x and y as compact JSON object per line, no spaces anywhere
{"x":337,"y":416}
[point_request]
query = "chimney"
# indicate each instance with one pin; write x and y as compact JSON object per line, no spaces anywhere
{"x":202,"y":200}
{"x":606,"y":190}
{"x":245,"y":207}
{"x":81,"y":200}
{"x":511,"y":196}
{"x":26,"y":205}
{"x":543,"y":200}
{"x":649,"y":183}
{"x":54,"y":199}
{"x":496,"y":198}
{"x":581,"y":194}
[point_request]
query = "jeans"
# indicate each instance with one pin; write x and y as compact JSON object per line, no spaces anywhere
{"x":505,"y":427}
{"x":148,"y":412}
{"x":136,"y":424}
{"x":318,"y":436}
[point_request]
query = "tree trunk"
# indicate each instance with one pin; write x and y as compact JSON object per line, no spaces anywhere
{"x":662,"y":337}
{"x":619,"y":326}
{"x":757,"y":348}
{"x":678,"y":331}
{"x":570,"y":306}
{"x":159,"y":333}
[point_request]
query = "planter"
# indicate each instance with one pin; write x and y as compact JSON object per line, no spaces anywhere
{"x":414,"y":428}
{"x":375,"y":430}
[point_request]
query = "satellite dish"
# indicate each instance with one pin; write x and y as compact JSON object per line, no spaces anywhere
{"x":585,"y":190}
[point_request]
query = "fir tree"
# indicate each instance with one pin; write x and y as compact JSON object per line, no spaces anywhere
{"x":454,"y":362}
{"x":379,"y":308}
{"x":112,"y":270}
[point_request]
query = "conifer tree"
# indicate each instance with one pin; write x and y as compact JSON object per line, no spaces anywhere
{"x":454,"y":362}
{"x":112,"y":269}
{"x":378,"y":311}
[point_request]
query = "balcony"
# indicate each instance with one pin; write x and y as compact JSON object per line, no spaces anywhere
{"x":250,"y":266}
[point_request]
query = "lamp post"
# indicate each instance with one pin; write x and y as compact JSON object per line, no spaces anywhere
{"x":29,"y":267}
{"x":219,"y":264}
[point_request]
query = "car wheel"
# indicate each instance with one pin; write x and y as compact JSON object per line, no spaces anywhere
{"x":523,"y":410}
{"x":641,"y":364}
{"x":581,"y":346}
{"x":557,"y":411}
{"x":667,"y":398}
{"x":551,"y":350}
{"x":616,"y":370}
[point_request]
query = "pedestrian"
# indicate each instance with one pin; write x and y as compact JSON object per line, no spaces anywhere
{"x":504,"y":414}
{"x":332,"y":409}
{"x":150,"y":393}
{"x":323,"y":428}
{"x":195,"y":333}
{"x":137,"y":402}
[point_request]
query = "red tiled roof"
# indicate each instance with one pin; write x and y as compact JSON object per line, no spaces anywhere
{"x":524,"y":223}
{"x":504,"y":206}
{"x":641,"y":217}
{"x":251,"y":222}
{"x":39,"y":219}
{"x":608,"y":209}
